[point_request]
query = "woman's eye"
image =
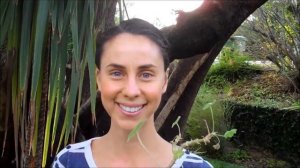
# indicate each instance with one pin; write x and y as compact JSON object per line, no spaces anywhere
{"x":146,"y":75}
{"x":116,"y":74}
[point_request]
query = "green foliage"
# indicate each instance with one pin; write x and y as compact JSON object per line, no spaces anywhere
{"x":220,"y":81}
{"x":269,"y":90}
{"x":294,"y":106}
{"x":237,"y":80}
{"x":273,"y":163}
{"x":270,"y":128}
{"x":135,"y":130}
{"x":232,"y":66}
{"x":209,"y":105}
{"x":177,"y":151}
{"x":195,"y":127}
{"x":222,"y":164}
{"x":209,"y":143}
{"x":273,"y":34}
{"x":42,"y":40}
{"x":236,"y":155}
{"x":230,"y":134}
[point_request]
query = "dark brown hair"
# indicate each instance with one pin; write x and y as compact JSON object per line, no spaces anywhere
{"x":137,"y":27}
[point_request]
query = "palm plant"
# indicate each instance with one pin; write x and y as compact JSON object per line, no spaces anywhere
{"x":40,"y":41}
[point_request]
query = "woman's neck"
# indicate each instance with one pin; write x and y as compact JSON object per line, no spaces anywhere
{"x":146,"y":136}
{"x":147,"y":148}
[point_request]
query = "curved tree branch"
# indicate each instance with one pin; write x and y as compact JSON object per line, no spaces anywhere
{"x":198,"y":31}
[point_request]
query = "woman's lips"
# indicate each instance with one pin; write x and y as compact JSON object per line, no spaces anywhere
{"x":131,"y":109}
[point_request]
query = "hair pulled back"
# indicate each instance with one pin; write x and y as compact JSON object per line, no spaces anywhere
{"x":136,"y":27}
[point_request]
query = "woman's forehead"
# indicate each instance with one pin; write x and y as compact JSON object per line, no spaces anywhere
{"x":127,"y":39}
{"x":128,"y":47}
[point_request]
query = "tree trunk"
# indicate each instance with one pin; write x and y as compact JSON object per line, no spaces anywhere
{"x":185,"y":70}
{"x":186,"y":99}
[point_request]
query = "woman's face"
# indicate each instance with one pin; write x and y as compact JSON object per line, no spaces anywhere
{"x":131,"y":79}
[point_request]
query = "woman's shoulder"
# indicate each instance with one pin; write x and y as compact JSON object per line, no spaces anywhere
{"x":189,"y":159}
{"x":73,"y":155}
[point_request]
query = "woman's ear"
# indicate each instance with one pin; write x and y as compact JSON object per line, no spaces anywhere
{"x":98,"y":79}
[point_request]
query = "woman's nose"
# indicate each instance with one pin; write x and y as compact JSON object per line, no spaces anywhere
{"x":131,"y":88}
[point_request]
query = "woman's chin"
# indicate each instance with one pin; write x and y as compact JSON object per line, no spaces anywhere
{"x":128,"y":125}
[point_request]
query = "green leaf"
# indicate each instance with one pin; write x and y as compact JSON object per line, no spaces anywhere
{"x":177,"y":151}
{"x":230,"y":134}
{"x":90,"y":54}
{"x":40,"y":29}
{"x":62,"y":58}
{"x":135,"y":130}
{"x":74,"y":31}
{"x":60,"y":17}
{"x":176,"y":121}
{"x":41,"y":22}
{"x":47,"y":131}
{"x":34,"y":132}
{"x":54,"y":13}
{"x":76,"y":50}
{"x":67,"y":15}
{"x":52,"y":95}
{"x":14,"y":32}
{"x":58,"y":109}
{"x":91,"y":6}
{"x":71,"y":100}
{"x":83,"y":22}
{"x":16,"y":113}
{"x":8,"y":20}
{"x":91,"y":65}
{"x":54,"y":63}
{"x":3,"y":6}
{"x":83,"y":65}
{"x":25,"y":44}
{"x":208,"y":105}
{"x":75,"y":74}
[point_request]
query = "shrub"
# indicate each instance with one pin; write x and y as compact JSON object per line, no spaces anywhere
{"x":271,"y":128}
{"x":231,"y":66}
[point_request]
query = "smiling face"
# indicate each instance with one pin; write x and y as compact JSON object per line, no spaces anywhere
{"x":131,"y":79}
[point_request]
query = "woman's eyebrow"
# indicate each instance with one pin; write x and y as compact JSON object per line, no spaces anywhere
{"x":113,"y":65}
{"x":147,"y":66}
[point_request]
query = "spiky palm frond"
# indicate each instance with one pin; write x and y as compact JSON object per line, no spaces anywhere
{"x":41,"y":38}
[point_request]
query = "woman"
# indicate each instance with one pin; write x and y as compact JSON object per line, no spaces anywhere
{"x":132,"y":61}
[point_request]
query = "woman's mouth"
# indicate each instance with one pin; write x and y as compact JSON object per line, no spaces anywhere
{"x":131,"y":110}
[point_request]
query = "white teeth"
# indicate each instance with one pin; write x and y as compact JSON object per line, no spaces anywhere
{"x":130,"y":109}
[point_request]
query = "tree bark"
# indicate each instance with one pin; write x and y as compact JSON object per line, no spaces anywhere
{"x":186,"y":100}
{"x":190,"y":65}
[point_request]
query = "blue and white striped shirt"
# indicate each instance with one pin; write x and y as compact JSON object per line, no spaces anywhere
{"x":80,"y":155}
